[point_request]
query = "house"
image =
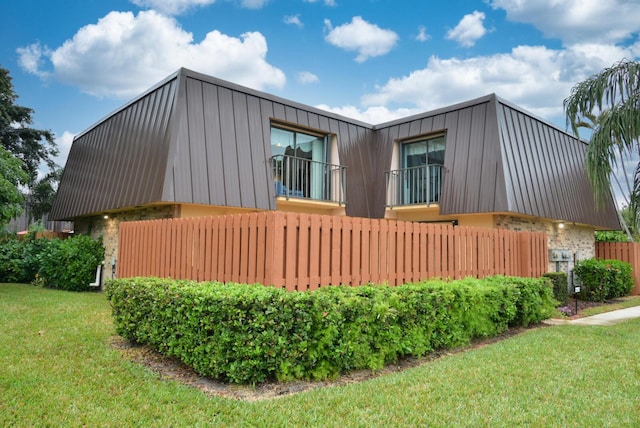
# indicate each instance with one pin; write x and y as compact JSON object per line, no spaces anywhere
{"x":194,"y":145}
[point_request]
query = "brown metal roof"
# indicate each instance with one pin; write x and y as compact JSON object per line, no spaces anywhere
{"x":197,"y":139}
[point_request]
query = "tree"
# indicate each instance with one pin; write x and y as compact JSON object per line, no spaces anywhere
{"x":42,"y":194}
{"x":610,"y":101}
{"x":11,"y":176}
{"x":32,"y":147}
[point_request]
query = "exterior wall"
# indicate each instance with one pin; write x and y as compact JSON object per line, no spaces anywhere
{"x":310,"y":207}
{"x":97,"y":226}
{"x":187,"y":210}
{"x":580,"y":240}
{"x":432,"y":214}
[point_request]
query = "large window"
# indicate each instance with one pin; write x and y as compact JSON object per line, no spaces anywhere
{"x":422,"y":162}
{"x":299,"y":163}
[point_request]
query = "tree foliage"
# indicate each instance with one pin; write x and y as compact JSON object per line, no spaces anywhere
{"x":30,"y":149}
{"x":609,"y":100}
{"x":11,"y":176}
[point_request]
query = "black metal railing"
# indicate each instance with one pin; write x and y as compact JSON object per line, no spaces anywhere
{"x":305,"y":178}
{"x":418,"y":185}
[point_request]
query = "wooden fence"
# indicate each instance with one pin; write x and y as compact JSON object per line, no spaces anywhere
{"x":304,"y":251}
{"x":624,"y":251}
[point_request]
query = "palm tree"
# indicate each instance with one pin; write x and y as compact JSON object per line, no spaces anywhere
{"x":609,"y":104}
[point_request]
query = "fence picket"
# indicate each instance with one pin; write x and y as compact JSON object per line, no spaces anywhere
{"x":305,"y":251}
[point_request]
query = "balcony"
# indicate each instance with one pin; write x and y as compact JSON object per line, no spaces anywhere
{"x":418,"y":185}
{"x":308,"y":179}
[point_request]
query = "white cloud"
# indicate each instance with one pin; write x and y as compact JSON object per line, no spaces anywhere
{"x":469,"y":29}
{"x":177,"y":7}
{"x":123,"y":55}
{"x":293,"y":20}
{"x":422,"y":34}
{"x":534,"y":77}
{"x":367,"y":39}
{"x":577,"y":21}
{"x":30,"y":59}
{"x":326,"y":2}
{"x":64,"y":145}
{"x":305,"y":77}
{"x":171,"y":7}
{"x":373,"y":115}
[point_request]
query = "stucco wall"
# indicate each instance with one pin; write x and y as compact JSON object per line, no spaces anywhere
{"x":108,"y":228}
{"x":580,"y":240}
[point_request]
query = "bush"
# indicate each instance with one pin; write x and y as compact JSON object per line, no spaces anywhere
{"x":11,"y":262}
{"x":33,"y":250}
{"x":603,"y":279}
{"x":560,"y":287}
{"x":71,"y":264}
{"x":251,"y":333}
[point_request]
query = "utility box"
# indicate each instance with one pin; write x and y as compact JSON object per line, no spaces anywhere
{"x":560,"y":255}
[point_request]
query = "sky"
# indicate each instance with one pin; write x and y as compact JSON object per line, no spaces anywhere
{"x":75,"y":61}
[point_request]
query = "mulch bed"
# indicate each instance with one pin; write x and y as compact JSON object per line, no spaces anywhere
{"x":171,"y":369}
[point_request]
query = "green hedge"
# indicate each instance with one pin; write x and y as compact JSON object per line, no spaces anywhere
{"x":65,"y":264}
{"x":251,"y":333}
{"x":603,"y":279}
{"x":560,"y":286}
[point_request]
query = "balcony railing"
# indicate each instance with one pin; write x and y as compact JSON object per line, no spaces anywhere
{"x":308,"y":179}
{"x":418,"y":185}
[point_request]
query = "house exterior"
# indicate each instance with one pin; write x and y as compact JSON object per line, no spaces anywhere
{"x":194,"y":145}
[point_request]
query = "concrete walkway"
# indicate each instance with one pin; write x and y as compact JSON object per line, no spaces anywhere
{"x":609,"y":318}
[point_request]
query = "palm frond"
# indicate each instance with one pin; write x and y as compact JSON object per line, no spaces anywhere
{"x":610,"y":102}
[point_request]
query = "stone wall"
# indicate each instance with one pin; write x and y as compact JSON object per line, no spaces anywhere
{"x":108,"y":228}
{"x":580,"y":240}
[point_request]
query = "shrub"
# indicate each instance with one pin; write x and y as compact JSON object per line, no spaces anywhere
{"x":251,"y":333}
{"x":32,"y":251}
{"x":560,"y":286}
{"x":71,"y":264}
{"x":603,"y":279}
{"x":534,"y":301}
{"x":11,"y":263}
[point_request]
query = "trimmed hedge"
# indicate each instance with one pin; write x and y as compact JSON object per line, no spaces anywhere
{"x":252,"y":333}
{"x":560,"y":286}
{"x":603,"y":279}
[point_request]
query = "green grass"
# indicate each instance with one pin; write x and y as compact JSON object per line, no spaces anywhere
{"x":626,"y":302}
{"x":57,"y":369}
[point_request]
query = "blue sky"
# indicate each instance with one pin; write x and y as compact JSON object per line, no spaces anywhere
{"x":75,"y":61}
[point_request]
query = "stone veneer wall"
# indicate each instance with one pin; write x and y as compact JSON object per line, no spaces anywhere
{"x":96,"y":226}
{"x":578,"y":239}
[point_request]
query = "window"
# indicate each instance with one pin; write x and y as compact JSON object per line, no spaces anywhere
{"x":422,"y":162}
{"x":299,"y":163}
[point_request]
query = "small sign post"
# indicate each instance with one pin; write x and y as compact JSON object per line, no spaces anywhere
{"x":576,"y":290}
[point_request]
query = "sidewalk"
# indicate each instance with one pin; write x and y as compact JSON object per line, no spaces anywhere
{"x":607,"y":318}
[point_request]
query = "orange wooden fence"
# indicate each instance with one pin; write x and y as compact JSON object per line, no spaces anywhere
{"x":305,"y":251}
{"x":624,"y":251}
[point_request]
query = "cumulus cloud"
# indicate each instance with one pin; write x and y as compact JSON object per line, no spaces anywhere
{"x":469,"y":29}
{"x":30,"y":58}
{"x":172,"y":7}
{"x":373,"y":115}
{"x":177,"y":7}
{"x":124,"y":54}
{"x":422,"y":34}
{"x":577,"y":21}
{"x":293,"y":20}
{"x":63,"y":142}
{"x":534,"y":77}
{"x":305,"y":77}
{"x":367,"y":39}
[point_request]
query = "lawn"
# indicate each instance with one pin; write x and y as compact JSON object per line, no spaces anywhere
{"x":58,"y":369}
